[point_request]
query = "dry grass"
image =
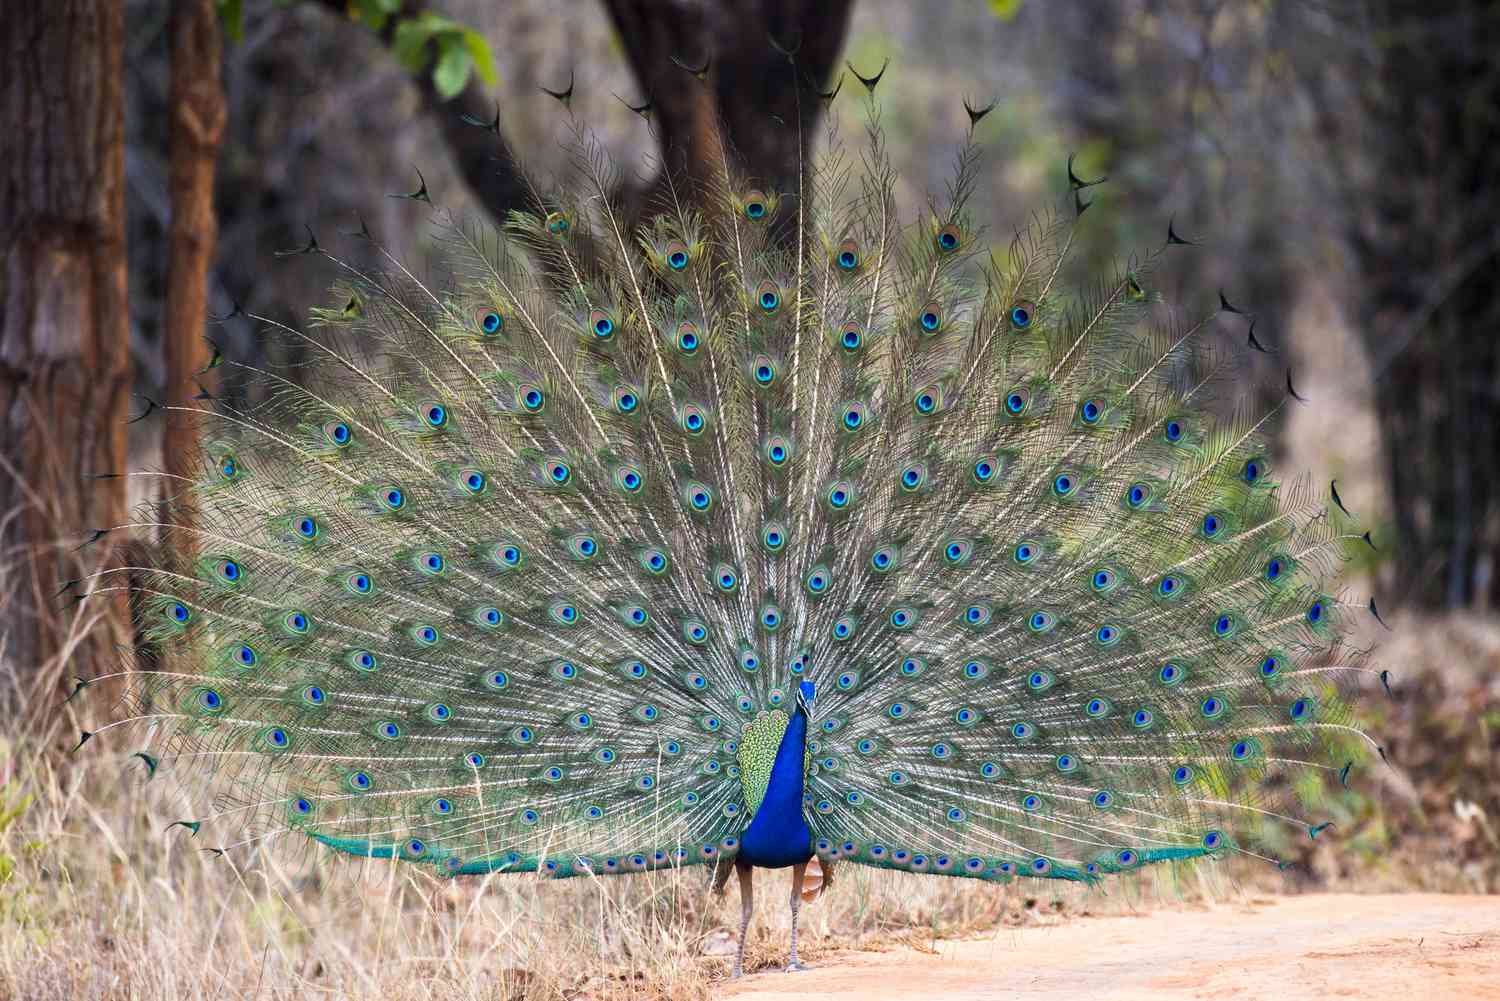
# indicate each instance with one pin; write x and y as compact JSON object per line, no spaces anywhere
{"x":97,"y":901}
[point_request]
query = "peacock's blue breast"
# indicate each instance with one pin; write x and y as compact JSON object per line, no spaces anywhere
{"x":778,"y":834}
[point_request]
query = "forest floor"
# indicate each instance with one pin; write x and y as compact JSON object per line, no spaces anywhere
{"x":1420,"y":947}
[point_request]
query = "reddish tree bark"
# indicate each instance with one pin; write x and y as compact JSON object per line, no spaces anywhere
{"x":64,"y":328}
{"x":198,"y":116}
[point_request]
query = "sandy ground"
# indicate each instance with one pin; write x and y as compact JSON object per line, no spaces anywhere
{"x":1410,"y":948}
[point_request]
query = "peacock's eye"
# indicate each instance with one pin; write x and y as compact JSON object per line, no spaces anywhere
{"x":851,"y":335}
{"x":778,"y":450}
{"x":854,"y":416}
{"x":930,"y":318}
{"x":763,"y":371}
{"x":847,"y":256}
{"x":627,"y":400}
{"x":489,"y":320}
{"x":531,"y":399}
{"x":768,"y":295}
{"x":337,"y":433}
{"x":755,"y":204}
{"x":692,"y":418}
{"x":602,"y":325}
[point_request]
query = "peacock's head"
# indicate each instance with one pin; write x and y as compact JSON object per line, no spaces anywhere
{"x":805,"y":695}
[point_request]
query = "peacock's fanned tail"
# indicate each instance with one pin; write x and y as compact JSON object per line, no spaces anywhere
{"x":523,"y":573}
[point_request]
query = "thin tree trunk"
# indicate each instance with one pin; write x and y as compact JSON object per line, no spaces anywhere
{"x":1423,"y":232}
{"x":197,"y":127}
{"x":64,"y":345}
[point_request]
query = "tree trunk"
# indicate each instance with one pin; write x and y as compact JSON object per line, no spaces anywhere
{"x":751,"y":91}
{"x":1167,"y":157}
{"x":766,"y":106}
{"x":1424,"y":235}
{"x":197,"y":126}
{"x":64,"y":361}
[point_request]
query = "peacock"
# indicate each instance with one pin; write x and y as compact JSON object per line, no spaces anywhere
{"x":762,"y":527}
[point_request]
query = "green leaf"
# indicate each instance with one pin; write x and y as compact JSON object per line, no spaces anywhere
{"x":460,"y":50}
{"x":484,"y":59}
{"x":453,"y":65}
{"x":361,"y":10}
{"x":1005,"y":10}
{"x":410,"y":44}
{"x":433,"y":23}
{"x":373,"y":14}
{"x":232,"y":13}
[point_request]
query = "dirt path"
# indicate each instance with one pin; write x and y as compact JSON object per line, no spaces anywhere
{"x":1405,"y":948}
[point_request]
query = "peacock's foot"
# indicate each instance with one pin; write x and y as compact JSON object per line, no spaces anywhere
{"x":796,"y":965}
{"x":736,"y":973}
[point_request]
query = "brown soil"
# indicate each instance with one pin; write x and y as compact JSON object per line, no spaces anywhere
{"x":1419,"y":947}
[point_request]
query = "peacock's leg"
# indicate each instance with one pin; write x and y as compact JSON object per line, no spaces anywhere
{"x":798,"y":871}
{"x":722,"y":868}
{"x":747,"y":901}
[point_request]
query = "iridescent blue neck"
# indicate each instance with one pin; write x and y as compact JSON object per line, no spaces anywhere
{"x":778,"y":834}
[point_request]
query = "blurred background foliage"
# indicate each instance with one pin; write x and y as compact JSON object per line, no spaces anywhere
{"x":1301,"y":143}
